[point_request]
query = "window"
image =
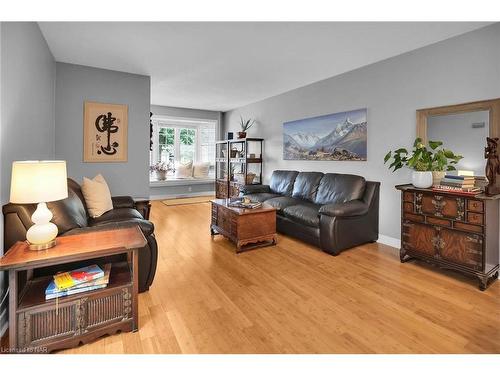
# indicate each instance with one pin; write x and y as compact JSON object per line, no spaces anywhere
{"x":166,"y":145}
{"x":187,"y":145}
{"x":178,"y":140}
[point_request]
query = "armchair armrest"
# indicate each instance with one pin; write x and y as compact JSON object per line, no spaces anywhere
{"x":253,"y":189}
{"x":123,"y":202}
{"x":351,"y":208}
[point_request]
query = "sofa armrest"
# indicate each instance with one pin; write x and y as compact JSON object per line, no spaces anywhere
{"x":253,"y":189}
{"x":351,"y":208}
{"x":123,"y":202}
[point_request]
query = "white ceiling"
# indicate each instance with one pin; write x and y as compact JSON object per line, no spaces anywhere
{"x":221,"y":66}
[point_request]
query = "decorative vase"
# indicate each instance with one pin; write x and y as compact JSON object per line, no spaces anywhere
{"x":437,"y":176}
{"x":242,"y":135}
{"x":422,"y":180}
{"x":161,"y":175}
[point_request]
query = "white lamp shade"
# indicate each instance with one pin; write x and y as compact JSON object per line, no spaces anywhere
{"x":38,"y":181}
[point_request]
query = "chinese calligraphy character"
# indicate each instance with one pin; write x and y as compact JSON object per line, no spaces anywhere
{"x":104,"y":123}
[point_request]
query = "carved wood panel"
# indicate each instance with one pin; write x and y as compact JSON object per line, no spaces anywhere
{"x":419,"y":238}
{"x":46,"y":325}
{"x":221,"y":189}
{"x":442,"y":206}
{"x":463,"y":248}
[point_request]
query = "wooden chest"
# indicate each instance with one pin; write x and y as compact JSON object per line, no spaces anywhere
{"x":452,"y":231}
{"x":246,"y":228}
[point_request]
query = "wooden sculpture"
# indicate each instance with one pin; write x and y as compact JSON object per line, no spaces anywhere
{"x":492,"y":166}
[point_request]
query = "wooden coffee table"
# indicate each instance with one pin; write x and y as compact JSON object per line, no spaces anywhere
{"x":246,"y":228}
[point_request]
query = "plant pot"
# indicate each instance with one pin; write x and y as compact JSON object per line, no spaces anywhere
{"x":242,"y":135}
{"x":437,"y":176}
{"x":422,"y":180}
{"x":161,"y":175}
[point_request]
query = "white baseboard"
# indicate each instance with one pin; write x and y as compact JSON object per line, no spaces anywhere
{"x":389,"y":241}
{"x":186,"y":195}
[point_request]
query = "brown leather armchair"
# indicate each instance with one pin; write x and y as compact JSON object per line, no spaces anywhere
{"x":71,"y":217}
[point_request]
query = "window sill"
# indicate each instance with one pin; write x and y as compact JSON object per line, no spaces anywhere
{"x":181,"y":182}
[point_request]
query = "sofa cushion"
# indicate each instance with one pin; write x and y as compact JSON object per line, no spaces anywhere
{"x":281,"y":202}
{"x":305,"y":213}
{"x":306,"y":185}
{"x":68,"y":213}
{"x":282,"y":182}
{"x":97,"y":195}
{"x":124,"y":216}
{"x":340,"y":188}
{"x":184,"y":170}
{"x":261,"y":197}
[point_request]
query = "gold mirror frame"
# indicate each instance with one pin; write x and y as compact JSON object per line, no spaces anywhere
{"x":492,"y":105}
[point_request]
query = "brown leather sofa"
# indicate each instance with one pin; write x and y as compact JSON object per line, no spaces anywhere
{"x":333,"y":211}
{"x":71,"y":217}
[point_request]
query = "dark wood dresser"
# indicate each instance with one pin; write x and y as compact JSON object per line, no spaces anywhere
{"x":452,"y":231}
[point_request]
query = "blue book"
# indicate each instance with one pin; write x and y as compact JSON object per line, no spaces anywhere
{"x":455,"y":177}
{"x":52,"y":287}
{"x":69,"y":292}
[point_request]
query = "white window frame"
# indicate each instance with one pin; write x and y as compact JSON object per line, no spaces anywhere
{"x":179,"y":123}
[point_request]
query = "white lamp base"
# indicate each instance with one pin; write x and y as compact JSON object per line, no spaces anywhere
{"x":42,"y":234}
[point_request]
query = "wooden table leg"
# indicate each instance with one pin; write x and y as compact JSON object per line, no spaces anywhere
{"x":12,"y":309}
{"x":135,"y":299}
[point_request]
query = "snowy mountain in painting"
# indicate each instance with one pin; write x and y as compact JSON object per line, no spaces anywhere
{"x":305,"y":139}
{"x":340,"y":136}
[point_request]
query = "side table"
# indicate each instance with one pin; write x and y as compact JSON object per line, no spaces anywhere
{"x":37,"y":325}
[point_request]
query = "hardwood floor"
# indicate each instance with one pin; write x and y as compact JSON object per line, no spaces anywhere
{"x":293,"y":298}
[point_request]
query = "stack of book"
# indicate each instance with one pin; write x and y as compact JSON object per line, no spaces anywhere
{"x":460,"y":184}
{"x":240,"y":203}
{"x":78,"y":281}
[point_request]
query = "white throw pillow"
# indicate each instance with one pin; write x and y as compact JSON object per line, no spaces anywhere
{"x":200,"y":170}
{"x":97,"y":195}
{"x":184,"y":170}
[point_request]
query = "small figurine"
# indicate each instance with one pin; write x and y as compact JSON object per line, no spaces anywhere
{"x":492,"y":166}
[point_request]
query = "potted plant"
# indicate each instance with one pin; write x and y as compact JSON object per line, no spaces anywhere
{"x":245,"y":125}
{"x":161,"y":169}
{"x":424,"y":161}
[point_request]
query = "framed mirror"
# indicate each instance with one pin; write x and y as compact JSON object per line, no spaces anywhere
{"x":462,"y":128}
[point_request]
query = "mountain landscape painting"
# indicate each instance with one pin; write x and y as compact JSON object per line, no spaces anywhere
{"x":339,"y":136}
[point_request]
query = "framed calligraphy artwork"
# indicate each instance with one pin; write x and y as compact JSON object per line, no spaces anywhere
{"x":105,"y":132}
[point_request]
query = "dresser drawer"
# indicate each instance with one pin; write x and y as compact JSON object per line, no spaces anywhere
{"x":408,"y":196}
{"x":440,"y":206}
{"x":474,"y":205}
{"x":475,"y":218}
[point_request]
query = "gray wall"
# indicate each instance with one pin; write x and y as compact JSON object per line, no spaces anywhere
{"x":27,"y":105}
{"x":164,"y":191}
{"x":74,"y":85}
{"x":462,"y":138}
{"x":462,"y":69}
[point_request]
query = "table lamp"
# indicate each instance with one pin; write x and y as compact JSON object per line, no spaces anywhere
{"x":39,"y":182}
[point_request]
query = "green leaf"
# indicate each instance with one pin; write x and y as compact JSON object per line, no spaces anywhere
{"x":435,"y":144}
{"x":387,"y":157}
{"x":417,"y":142}
{"x":449,"y":154}
{"x":451,"y":168}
